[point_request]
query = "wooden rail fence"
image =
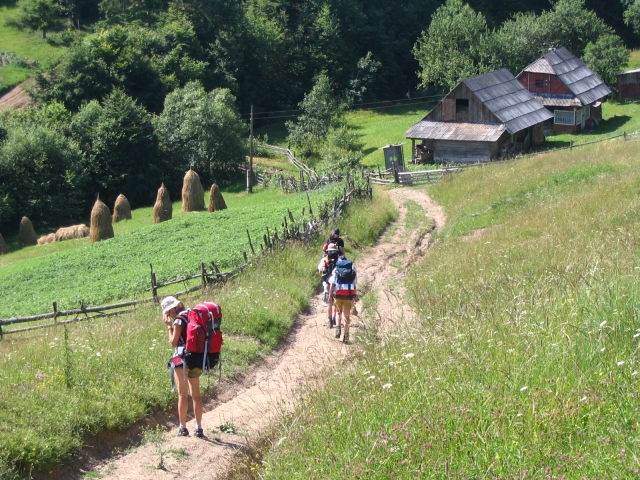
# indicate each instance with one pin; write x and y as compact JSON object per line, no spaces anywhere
{"x":291,"y":230}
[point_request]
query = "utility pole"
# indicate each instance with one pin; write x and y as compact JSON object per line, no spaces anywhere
{"x":250,"y":171}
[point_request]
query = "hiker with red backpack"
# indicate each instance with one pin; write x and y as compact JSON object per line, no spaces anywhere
{"x":342,"y":289}
{"x":336,"y":240}
{"x":325,"y":268}
{"x":191,"y":337}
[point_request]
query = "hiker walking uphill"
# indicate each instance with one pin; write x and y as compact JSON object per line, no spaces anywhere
{"x":197,"y":340}
{"x":325,"y":269}
{"x":342,"y":289}
{"x":337,"y":240}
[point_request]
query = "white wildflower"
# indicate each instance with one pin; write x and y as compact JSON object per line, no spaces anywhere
{"x":386,"y":385}
{"x":620,"y":364}
{"x":634,"y":373}
{"x":603,"y":323}
{"x":602,"y":349}
{"x":97,"y":354}
{"x":583,"y":399}
{"x":372,"y":377}
{"x":409,"y":355}
{"x":523,"y":388}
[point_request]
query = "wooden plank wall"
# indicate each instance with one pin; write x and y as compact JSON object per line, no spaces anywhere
{"x":463,"y":152}
{"x":478,"y":113}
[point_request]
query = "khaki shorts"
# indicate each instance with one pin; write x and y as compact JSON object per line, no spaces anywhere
{"x":191,"y":372}
{"x":343,"y":304}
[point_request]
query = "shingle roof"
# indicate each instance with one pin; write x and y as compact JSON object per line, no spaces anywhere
{"x":559,"y":102}
{"x":574,"y":74}
{"x":508,"y":100}
{"x":482,"y":132}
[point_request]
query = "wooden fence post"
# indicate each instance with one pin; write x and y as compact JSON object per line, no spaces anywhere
{"x":244,"y":255}
{"x":154,"y":287}
{"x":570,"y":144}
{"x":625,"y":136}
{"x":203,"y":276}
{"x":250,"y":244}
{"x":309,"y":202}
{"x":55,"y":312}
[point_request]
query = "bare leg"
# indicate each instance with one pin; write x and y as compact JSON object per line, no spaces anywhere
{"x":183,"y":395}
{"x":194,"y":387}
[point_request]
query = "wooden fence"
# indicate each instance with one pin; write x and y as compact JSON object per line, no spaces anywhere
{"x":291,"y":230}
{"x":408,"y":178}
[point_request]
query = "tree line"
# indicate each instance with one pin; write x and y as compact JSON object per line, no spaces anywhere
{"x":159,"y":85}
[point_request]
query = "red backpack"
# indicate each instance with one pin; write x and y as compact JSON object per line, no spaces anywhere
{"x":203,"y":329}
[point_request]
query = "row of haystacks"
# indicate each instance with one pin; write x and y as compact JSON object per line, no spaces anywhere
{"x":102,"y":220}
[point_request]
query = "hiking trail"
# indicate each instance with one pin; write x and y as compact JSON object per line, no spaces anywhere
{"x":255,"y":402}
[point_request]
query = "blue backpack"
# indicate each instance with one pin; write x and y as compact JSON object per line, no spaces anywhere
{"x":344,"y":271}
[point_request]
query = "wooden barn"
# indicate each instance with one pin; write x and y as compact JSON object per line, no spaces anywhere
{"x":483,"y":117}
{"x":568,"y":88}
{"x":629,"y":85}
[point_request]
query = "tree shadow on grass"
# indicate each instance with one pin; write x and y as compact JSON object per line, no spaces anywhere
{"x":610,"y":125}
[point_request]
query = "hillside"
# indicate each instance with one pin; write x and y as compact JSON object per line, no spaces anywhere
{"x":522,"y":360}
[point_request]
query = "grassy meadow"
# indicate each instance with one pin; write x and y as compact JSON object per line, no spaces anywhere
{"x":106,"y":374}
{"x":524,"y":362}
{"x":26,"y":44}
{"x":118,"y":269}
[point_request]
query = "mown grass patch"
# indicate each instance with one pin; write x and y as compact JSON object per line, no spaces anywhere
{"x":28,"y":45}
{"x":118,"y":268}
{"x":525,"y":363}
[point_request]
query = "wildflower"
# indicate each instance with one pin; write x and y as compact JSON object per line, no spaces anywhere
{"x":603,"y":323}
{"x":386,"y":385}
{"x":620,"y":364}
{"x":636,"y":335}
{"x":371,"y":377}
{"x":409,"y":355}
{"x":602,"y":349}
{"x":583,"y":399}
{"x":634,"y":373}
{"x":523,"y":388}
{"x":97,"y":354}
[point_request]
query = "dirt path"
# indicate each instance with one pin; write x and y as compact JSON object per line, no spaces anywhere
{"x":255,"y":404}
{"x":15,"y":99}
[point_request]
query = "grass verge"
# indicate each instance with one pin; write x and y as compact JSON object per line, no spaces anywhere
{"x":525,"y":361}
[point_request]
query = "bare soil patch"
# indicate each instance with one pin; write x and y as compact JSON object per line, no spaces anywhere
{"x":254,"y":402}
{"x":15,"y":99}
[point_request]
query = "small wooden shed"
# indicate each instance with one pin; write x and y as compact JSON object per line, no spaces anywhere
{"x":567,"y":87}
{"x":629,"y":85}
{"x":483,"y":117}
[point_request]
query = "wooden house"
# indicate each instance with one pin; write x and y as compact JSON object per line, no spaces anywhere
{"x":629,"y":85}
{"x":483,"y":117}
{"x":568,"y":88}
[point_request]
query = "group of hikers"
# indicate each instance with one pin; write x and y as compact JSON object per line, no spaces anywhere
{"x":197,"y":340}
{"x":339,"y":280}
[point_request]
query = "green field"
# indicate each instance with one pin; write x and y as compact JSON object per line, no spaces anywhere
{"x":106,"y":374}
{"x":118,"y":268}
{"x":27,"y":45}
{"x":524,"y":363}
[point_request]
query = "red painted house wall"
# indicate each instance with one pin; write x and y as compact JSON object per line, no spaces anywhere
{"x":551,"y":83}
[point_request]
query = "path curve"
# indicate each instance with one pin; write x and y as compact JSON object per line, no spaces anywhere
{"x":256,"y":404}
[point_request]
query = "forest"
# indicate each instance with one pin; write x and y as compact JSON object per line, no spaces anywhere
{"x":150,"y":88}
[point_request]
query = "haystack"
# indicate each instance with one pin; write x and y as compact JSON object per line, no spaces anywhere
{"x":192,"y":193}
{"x":26,"y":235}
{"x":72,"y":232}
{"x":3,"y":246}
{"x":46,"y":239}
{"x":216,"y":202}
{"x":101,"y":228}
{"x":162,"y":210}
{"x":121,"y":209}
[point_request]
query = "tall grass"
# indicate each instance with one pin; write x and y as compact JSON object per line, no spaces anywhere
{"x":525,"y":362}
{"x":67,"y":382}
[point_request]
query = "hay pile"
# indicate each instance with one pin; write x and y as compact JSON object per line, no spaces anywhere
{"x":216,"y":201}
{"x":3,"y":246}
{"x":162,"y":210}
{"x":192,"y":193}
{"x":101,"y":228}
{"x":72,"y":232}
{"x":122,"y":209}
{"x":44,"y":240}
{"x":26,"y":235}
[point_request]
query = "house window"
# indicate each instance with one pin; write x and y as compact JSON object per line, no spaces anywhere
{"x":539,"y":83}
{"x":564,"y":117}
{"x":462,"y":109}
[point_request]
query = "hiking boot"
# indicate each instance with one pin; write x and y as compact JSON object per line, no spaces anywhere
{"x":331,"y":322}
{"x":338,"y":331}
{"x":199,"y":432}
{"x":183,"y":432}
{"x":345,"y":339}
